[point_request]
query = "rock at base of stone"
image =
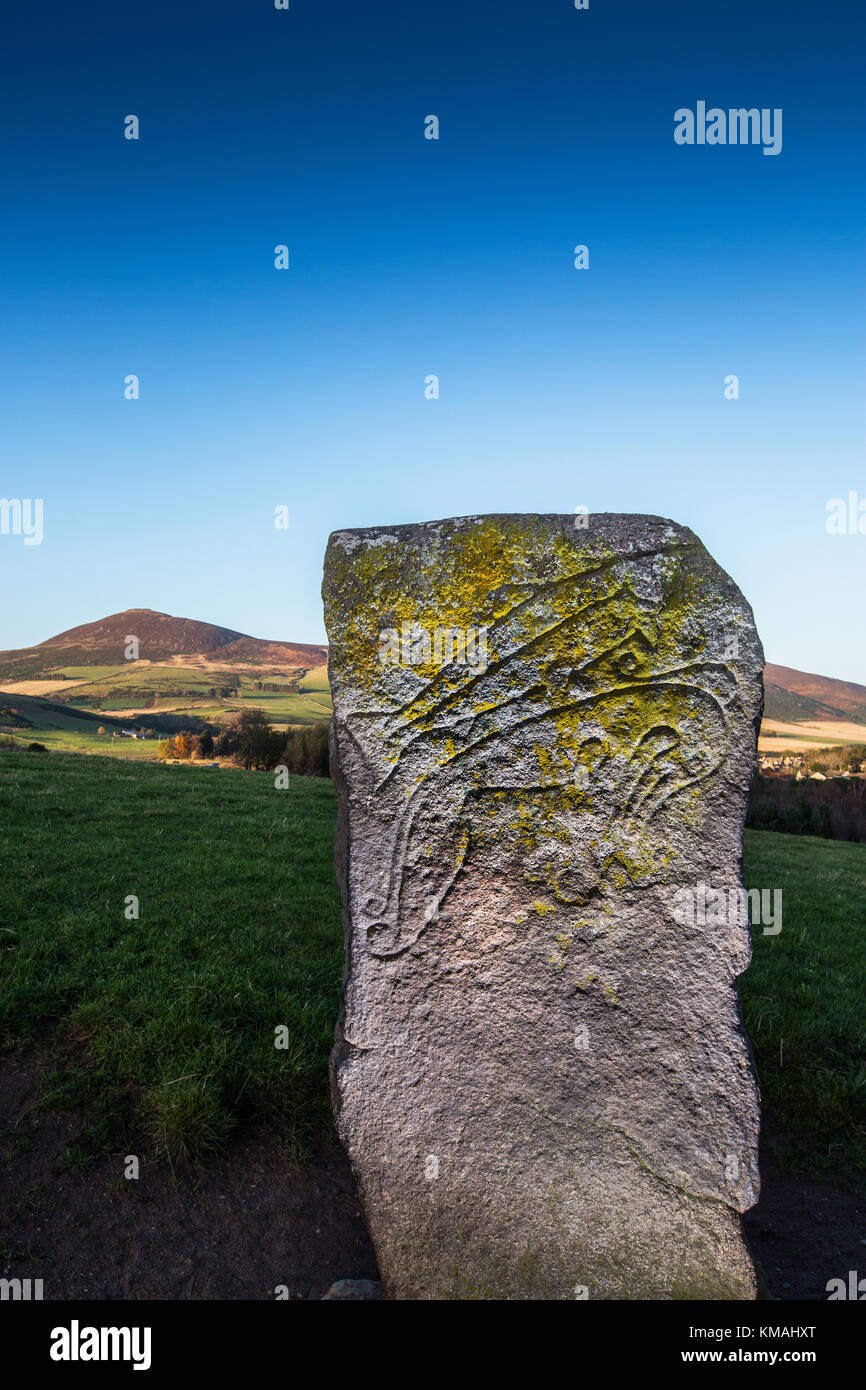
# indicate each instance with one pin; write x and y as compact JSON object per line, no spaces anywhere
{"x":354,"y":1290}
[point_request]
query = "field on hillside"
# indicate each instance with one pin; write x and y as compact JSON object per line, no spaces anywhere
{"x":69,"y":715}
{"x":316,"y":681}
{"x":168,"y":1021}
{"x":100,"y":745}
{"x":32,"y":719}
{"x":210,"y":692}
{"x":807,"y":736}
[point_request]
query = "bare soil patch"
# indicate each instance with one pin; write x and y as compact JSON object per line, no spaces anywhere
{"x":248,"y":1222}
{"x":40,"y":687}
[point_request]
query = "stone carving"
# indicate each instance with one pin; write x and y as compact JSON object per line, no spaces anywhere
{"x":525,"y":1015}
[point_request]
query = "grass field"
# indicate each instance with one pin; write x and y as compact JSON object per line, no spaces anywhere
{"x":115,"y":697}
{"x":47,"y":714}
{"x":169,"y":1019}
{"x":237,"y":934}
{"x":63,"y":727}
{"x":804,"y":996}
{"x":316,"y":680}
{"x":309,"y":708}
{"x":74,"y":741}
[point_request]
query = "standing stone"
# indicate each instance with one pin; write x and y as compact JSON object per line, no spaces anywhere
{"x":543,"y":739}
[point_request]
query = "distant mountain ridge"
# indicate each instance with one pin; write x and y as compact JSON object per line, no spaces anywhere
{"x":791,"y":695}
{"x":161,"y":637}
{"x":159,"y":631}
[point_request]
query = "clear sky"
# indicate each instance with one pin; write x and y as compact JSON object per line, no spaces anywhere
{"x":411,"y":257}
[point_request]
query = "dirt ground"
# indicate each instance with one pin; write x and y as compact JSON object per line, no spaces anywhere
{"x":251,"y":1221}
{"x":247,"y":1223}
{"x":805,"y":1231}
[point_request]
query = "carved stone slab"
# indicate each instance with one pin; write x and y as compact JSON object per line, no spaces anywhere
{"x":542,"y":744}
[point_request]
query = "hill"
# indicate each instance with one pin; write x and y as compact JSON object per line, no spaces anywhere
{"x":804,"y":712}
{"x":796,"y":695}
{"x":30,"y":712}
{"x":160,"y":637}
{"x":186,"y":674}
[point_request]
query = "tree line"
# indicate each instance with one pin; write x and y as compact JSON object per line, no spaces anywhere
{"x":833,"y":810}
{"x":847,"y":757}
{"x":251,"y":741}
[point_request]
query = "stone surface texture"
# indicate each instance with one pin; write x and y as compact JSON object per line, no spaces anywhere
{"x":540,"y":1072}
{"x":354,"y":1291}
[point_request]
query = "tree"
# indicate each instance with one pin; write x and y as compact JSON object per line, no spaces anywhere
{"x":306,"y":751}
{"x":227,"y":742}
{"x":255,"y":739}
{"x":101,"y":730}
{"x":184,"y":745}
{"x":205,"y":744}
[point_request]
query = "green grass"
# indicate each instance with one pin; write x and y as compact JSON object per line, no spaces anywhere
{"x":282,"y":708}
{"x":316,"y":680}
{"x":104,"y":746}
{"x":238,"y":933}
{"x":150,"y":688}
{"x":804,"y":998}
{"x":44,"y":714}
{"x":89,"y":673}
{"x":73,"y":730}
{"x":167,"y":1023}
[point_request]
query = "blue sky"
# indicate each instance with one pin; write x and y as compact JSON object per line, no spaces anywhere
{"x":558,"y":387}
